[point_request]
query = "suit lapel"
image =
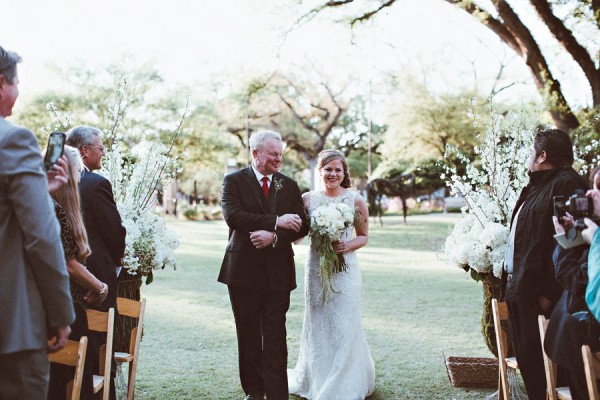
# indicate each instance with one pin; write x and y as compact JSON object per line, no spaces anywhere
{"x":255,"y":188}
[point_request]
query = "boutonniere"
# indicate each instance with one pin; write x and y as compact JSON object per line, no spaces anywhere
{"x":278,"y":184}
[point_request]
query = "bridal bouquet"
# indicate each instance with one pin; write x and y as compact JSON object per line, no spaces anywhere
{"x":327,"y":224}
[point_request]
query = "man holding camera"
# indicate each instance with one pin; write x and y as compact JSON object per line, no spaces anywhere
{"x":35,"y":300}
{"x":571,"y":324}
{"x":528,"y":282}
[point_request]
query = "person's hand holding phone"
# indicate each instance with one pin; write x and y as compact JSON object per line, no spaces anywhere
{"x":57,"y":175}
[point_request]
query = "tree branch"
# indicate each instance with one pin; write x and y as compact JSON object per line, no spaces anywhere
{"x":567,"y":40}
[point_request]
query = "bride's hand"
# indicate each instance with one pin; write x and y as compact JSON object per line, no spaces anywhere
{"x":339,"y":246}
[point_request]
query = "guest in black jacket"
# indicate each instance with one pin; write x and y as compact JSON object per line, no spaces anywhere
{"x":571,"y":324}
{"x":529,"y":286}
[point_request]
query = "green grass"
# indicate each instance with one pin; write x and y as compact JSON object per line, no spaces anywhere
{"x":415,"y":310}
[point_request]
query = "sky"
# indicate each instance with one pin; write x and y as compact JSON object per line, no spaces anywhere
{"x":193,"y":41}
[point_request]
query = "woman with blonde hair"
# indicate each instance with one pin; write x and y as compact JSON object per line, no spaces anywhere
{"x":85,"y":287}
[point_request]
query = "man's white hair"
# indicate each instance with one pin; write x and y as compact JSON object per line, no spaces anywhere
{"x":258,"y":139}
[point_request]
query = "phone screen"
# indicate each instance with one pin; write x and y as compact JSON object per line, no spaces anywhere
{"x":56,"y":144}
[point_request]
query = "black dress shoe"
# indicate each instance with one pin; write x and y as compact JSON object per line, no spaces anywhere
{"x":254,"y":397}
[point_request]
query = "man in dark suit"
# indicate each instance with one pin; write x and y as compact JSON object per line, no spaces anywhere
{"x":264,"y":211}
{"x":35,"y":300}
{"x":102,"y":221}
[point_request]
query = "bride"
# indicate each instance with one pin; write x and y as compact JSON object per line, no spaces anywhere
{"x":334,"y":360}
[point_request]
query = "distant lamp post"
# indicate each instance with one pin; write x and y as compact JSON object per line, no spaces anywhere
{"x":231,"y":166}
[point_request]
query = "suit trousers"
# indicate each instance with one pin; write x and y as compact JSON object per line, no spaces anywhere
{"x":24,"y":375}
{"x":525,"y":335}
{"x":262,"y":349}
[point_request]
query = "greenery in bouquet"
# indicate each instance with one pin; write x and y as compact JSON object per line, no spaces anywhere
{"x":490,"y":186}
{"x":327,"y":224}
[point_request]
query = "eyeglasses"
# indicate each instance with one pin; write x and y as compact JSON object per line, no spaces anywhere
{"x":102,"y":148}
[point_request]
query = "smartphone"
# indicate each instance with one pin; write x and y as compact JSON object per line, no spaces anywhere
{"x":54,"y":150}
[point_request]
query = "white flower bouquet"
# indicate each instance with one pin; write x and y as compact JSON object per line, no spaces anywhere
{"x":149,"y":244}
{"x":490,"y":186}
{"x":327,"y":224}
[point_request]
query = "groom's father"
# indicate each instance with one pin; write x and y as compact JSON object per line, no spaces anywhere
{"x":264,"y":211}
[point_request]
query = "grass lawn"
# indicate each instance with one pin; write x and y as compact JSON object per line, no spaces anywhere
{"x":415,"y":310}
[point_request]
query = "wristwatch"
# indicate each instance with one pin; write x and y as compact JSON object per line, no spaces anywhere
{"x":103,"y":290}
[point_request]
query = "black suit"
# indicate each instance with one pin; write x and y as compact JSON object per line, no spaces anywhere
{"x":105,"y":233}
{"x":260,"y":280}
{"x":106,"y":237}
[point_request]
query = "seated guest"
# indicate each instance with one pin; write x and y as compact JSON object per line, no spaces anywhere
{"x":571,"y":324}
{"x":85,"y":287}
{"x":591,"y":236}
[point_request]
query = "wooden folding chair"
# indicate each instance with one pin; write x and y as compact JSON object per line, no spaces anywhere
{"x":500,"y":313}
{"x":99,"y":321}
{"x":72,"y":355}
{"x":552,"y":392}
{"x":134,"y":309}
{"x":591,"y":364}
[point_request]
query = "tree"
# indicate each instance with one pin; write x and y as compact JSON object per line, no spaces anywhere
{"x":311,"y":115}
{"x":511,"y":29}
{"x":136,"y":105}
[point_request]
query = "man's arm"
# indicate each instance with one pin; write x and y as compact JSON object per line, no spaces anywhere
{"x":297,"y":207}
{"x":28,"y":197}
{"x":235,"y":216}
{"x":107,"y":215}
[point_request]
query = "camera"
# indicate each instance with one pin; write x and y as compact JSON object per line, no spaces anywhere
{"x":54,"y":150}
{"x":578,"y":205}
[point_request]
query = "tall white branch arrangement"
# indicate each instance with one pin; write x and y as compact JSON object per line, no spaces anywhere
{"x":490,"y":185}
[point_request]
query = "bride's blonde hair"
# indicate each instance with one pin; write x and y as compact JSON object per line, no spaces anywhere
{"x":326,"y":156}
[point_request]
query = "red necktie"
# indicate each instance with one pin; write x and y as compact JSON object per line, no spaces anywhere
{"x":265,"y":186}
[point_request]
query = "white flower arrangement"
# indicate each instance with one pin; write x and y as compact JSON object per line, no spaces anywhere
{"x":491,"y":188}
{"x":327,"y":224}
{"x":149,"y":244}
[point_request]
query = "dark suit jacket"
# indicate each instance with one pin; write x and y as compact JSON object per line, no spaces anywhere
{"x":246,"y":210}
{"x":106,"y":234}
{"x":34,"y":284}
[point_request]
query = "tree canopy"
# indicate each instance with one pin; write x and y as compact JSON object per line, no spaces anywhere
{"x":564,"y":19}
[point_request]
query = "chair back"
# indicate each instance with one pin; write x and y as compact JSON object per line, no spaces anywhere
{"x":99,"y":321}
{"x":72,"y":355}
{"x":552,"y":392}
{"x":591,"y":364}
{"x":500,"y":314}
{"x":133,"y":309}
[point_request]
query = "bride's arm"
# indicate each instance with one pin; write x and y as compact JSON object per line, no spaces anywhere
{"x":361,"y":227}
{"x":306,"y":202}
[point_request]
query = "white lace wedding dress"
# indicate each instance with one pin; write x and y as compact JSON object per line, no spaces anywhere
{"x":334,"y":361}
